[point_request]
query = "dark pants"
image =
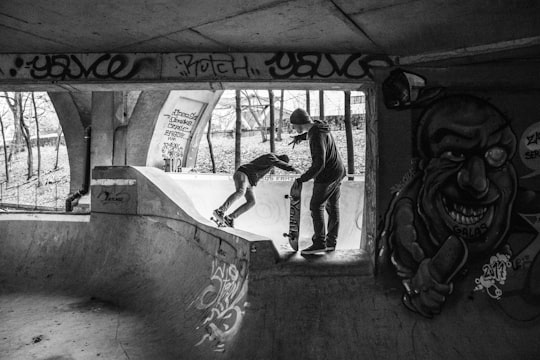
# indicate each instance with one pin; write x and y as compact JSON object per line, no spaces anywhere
{"x":325,"y":197}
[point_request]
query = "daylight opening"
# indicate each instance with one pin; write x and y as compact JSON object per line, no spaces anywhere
{"x":34,"y":166}
{"x":240,"y":130}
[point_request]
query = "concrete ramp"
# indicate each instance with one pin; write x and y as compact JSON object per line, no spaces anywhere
{"x":147,"y":277}
{"x":270,"y":216}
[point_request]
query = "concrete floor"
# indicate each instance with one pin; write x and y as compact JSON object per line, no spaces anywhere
{"x":61,"y":327}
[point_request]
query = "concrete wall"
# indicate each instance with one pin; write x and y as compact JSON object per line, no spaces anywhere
{"x":441,"y":241}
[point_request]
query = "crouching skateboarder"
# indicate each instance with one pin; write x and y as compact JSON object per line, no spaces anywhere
{"x":328,"y":171}
{"x":245,"y":179}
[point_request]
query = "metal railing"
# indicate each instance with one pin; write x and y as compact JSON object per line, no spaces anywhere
{"x":47,"y":197}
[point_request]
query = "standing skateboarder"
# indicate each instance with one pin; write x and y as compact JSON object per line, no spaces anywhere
{"x":245,"y":179}
{"x":327,"y":170}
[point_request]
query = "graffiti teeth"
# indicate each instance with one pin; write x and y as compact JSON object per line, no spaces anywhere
{"x":463,"y":214}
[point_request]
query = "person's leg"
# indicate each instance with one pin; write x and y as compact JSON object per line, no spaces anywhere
{"x":240,"y":183}
{"x":321,"y":193}
{"x":316,"y":206}
{"x":250,"y":202}
{"x":332,"y":208}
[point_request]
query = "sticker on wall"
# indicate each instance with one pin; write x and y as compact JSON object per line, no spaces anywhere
{"x":529,"y":149}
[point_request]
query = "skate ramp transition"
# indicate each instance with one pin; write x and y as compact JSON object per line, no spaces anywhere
{"x":270,"y":215}
{"x":226,"y":293}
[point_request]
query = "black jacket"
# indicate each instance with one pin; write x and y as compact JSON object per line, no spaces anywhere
{"x":326,"y":163}
{"x":259,"y":167}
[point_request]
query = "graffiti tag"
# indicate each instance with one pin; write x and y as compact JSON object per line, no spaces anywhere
{"x":114,"y":197}
{"x":224,"y":299}
{"x":107,"y":66}
{"x":494,"y":274}
{"x":284,"y":65}
{"x":214,"y":65}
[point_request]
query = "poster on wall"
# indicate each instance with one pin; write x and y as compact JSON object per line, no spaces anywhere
{"x":174,"y":131}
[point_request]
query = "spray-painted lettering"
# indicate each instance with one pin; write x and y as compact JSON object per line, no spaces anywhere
{"x":284,"y":65}
{"x":71,"y":67}
{"x":214,"y":65}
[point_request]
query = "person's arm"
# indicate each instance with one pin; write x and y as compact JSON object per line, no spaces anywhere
{"x":318,"y":160}
{"x":282,"y":164}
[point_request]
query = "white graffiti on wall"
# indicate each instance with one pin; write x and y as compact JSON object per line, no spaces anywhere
{"x":494,"y":274}
{"x":224,"y":301}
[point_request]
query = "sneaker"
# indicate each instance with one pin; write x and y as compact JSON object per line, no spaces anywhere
{"x":218,"y":214}
{"x":314,"y":249}
{"x":229,"y":221}
{"x":331,"y":247}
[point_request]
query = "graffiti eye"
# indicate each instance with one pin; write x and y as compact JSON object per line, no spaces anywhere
{"x":453,"y":156}
{"x":496,"y":156}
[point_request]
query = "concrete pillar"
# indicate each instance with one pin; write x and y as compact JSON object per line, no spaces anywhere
{"x":179,"y":126}
{"x":103,"y":119}
{"x":70,"y":109}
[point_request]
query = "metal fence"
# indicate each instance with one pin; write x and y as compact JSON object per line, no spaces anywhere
{"x":46,"y":197}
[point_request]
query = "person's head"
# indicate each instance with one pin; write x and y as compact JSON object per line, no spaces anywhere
{"x":283,"y":158}
{"x":301,"y":121}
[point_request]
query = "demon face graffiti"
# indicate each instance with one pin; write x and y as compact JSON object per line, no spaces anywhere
{"x":458,"y":204}
{"x":468,"y":184}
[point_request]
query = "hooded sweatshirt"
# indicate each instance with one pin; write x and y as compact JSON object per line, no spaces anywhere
{"x":326,"y":163}
{"x":258,"y":168}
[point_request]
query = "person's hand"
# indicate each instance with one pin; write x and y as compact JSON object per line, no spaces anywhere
{"x":296,"y":188}
{"x":298,"y":139}
{"x":424,"y":294}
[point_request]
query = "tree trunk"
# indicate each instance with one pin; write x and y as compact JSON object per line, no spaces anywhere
{"x":17,"y":138}
{"x":26,"y":135}
{"x":321,"y":105}
{"x":348,"y":134}
{"x":272,"y":122}
{"x":256,"y":117}
{"x":280,"y":121}
{"x":210,"y":148}
{"x":59,"y":132}
{"x":37,"y":141}
{"x":5,"y":149}
{"x":238,"y":133}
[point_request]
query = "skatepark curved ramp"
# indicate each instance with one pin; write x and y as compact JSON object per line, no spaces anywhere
{"x":147,"y":277}
{"x":270,"y":215}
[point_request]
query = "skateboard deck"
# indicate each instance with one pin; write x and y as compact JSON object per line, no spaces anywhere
{"x":295,"y":200}
{"x":219,"y":222}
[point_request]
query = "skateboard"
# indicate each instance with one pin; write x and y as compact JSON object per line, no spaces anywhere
{"x":218,"y":222}
{"x":294,"y":215}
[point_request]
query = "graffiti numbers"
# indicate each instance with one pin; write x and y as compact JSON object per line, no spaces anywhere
{"x":494,"y":273}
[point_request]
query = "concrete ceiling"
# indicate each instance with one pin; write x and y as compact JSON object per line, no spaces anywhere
{"x":418,"y":31}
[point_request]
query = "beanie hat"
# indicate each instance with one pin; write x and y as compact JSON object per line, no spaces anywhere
{"x":284,"y":158}
{"x":300,"y":117}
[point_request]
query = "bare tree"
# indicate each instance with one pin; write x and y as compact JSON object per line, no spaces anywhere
{"x":280,"y":121}
{"x":5,"y":148}
{"x":210,"y":148}
{"x":17,"y":107}
{"x":254,"y":114}
{"x":58,"y":140}
{"x":38,"y":145}
{"x":238,"y":131}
